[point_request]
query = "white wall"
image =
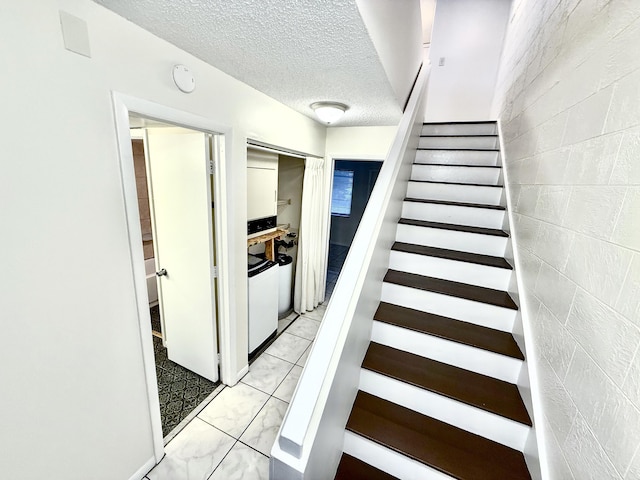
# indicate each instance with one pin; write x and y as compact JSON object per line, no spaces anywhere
{"x":567,"y":99}
{"x":359,"y":143}
{"x":395,"y":29}
{"x":469,"y":35}
{"x":74,"y":404}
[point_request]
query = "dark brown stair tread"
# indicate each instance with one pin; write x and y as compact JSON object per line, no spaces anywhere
{"x":453,"y":451}
{"x":450,"y":226}
{"x":469,"y":165}
{"x":423,"y":135}
{"x":455,"y":183}
{"x":351,"y":468}
{"x":454,"y":289}
{"x":461,"y":332}
{"x":455,"y":204}
{"x":454,"y":149}
{"x":487,"y":393}
{"x":487,"y":260}
{"x":470,"y":122}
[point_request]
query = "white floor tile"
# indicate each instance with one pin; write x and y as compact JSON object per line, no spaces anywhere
{"x":193,"y":454}
{"x":303,"y":359}
{"x":242,"y":463}
{"x":234,"y":408}
{"x":288,"y":347}
{"x":285,"y":391}
{"x":267,"y":372}
{"x":263,"y":430}
{"x":316,"y":314}
{"x":305,"y":328}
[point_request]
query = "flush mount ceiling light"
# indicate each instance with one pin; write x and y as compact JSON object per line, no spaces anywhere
{"x":329,"y":112}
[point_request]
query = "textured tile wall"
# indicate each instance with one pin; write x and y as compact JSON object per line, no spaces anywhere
{"x":143,"y":197}
{"x":568,"y":98}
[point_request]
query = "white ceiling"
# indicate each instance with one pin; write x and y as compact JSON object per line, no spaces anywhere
{"x":296,"y":51}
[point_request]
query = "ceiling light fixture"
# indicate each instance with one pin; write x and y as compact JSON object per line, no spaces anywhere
{"x":329,"y":112}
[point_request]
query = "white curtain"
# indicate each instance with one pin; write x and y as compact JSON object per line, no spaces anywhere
{"x":311,"y":269}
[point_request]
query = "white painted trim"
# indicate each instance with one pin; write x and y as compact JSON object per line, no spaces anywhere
{"x":530,"y":353}
{"x":479,"y":313}
{"x":242,"y":373}
{"x":123,"y":105}
{"x":144,"y":469}
{"x":456,"y":270}
{"x":461,"y":415}
{"x":389,"y":461}
{"x":452,"y":240}
{"x":447,"y":351}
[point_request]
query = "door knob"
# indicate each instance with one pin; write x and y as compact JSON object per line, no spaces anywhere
{"x":161,"y":273}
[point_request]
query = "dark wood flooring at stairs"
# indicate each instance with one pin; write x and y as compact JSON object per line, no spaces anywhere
{"x":457,"y":255}
{"x":485,"y":393}
{"x":453,"y":451}
{"x":454,"y":289}
{"x":454,"y":183}
{"x":471,"y":165}
{"x":454,"y":204}
{"x":350,"y":468}
{"x":450,"y":226}
{"x":449,"y":329}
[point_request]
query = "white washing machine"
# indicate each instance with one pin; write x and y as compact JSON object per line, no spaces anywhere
{"x":263,"y":301}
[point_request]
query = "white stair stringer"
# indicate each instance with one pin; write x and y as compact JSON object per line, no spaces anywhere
{"x":446,"y":351}
{"x":454,"y":214}
{"x":388,"y":460}
{"x":456,"y":173}
{"x":446,"y":269}
{"x":478,"y":128}
{"x":452,"y":240}
{"x":478,"y":313}
{"x":461,"y":415}
{"x":453,"y":142}
{"x":486,"y":195}
{"x":457,"y":157}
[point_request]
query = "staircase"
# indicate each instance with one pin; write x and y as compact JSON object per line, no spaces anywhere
{"x":437,"y":397}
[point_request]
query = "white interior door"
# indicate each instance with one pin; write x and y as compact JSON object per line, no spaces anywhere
{"x":180,"y":191}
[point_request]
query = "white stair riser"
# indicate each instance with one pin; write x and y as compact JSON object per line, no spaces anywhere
{"x":470,"y":311}
{"x":453,"y":173}
{"x":463,"y":143}
{"x":446,"y":351}
{"x":474,"y":420}
{"x":455,"y":193}
{"x":388,"y":460}
{"x":457,"y":271}
{"x":452,"y":240}
{"x":457,"y":157}
{"x":460,"y":129}
{"x":471,"y":216}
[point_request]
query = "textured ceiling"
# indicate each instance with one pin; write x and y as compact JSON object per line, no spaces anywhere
{"x":296,"y":51}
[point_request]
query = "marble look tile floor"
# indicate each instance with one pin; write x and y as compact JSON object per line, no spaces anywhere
{"x":231,"y":438}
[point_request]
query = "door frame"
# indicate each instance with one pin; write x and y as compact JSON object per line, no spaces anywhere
{"x":123,"y":106}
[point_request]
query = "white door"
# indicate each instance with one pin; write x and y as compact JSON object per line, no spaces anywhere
{"x":180,"y":193}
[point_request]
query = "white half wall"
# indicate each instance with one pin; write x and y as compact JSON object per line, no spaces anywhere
{"x":395,"y":29}
{"x":74,"y":404}
{"x":467,"y":36}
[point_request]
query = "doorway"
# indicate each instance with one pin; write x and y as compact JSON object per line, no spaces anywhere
{"x":166,"y":162}
{"x":353,"y":182}
{"x":215,"y":191}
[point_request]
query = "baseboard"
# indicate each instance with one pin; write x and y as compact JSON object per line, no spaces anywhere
{"x":242,"y":373}
{"x":144,"y":469}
